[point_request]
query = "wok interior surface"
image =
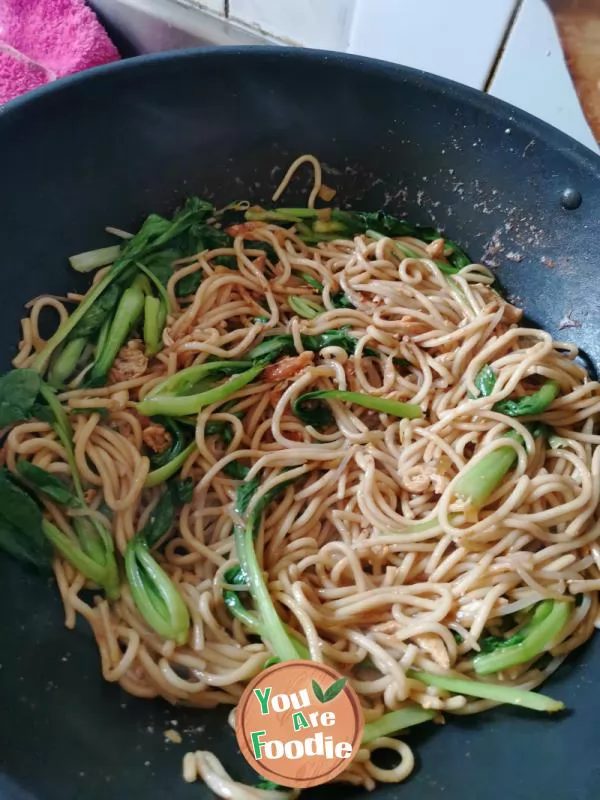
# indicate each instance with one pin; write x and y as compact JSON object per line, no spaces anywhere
{"x":114,"y":145}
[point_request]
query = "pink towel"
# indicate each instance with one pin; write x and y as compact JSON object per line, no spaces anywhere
{"x":41,"y":40}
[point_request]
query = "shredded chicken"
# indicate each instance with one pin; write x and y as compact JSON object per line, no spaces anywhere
{"x":436,"y":248}
{"x":157,"y":438}
{"x":131,"y":362}
{"x":287,"y":367}
{"x":433,"y":645}
{"x":245,"y":229}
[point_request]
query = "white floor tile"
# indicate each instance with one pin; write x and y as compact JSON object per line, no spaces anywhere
{"x":532,"y":73}
{"x":458,"y":39}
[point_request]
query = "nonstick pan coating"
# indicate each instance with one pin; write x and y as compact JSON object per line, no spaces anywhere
{"x":121,"y":141}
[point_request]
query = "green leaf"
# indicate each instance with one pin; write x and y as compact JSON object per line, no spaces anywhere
{"x":269,"y":786}
{"x":128,"y":312}
{"x":236,"y":470}
{"x":19,"y":391}
{"x":21,"y":534}
{"x":270,"y":626}
{"x":535,"y":403}
{"x":177,"y":493}
{"x":311,"y":281}
{"x":309,"y":408}
{"x":304,"y":307}
{"x":485,"y":381}
{"x":271,"y":663}
{"x":336,"y":687}
{"x":189,"y":284}
{"x":154,"y":593}
{"x":340,"y":300}
{"x":47,"y":483}
{"x":271,"y":348}
{"x":245,"y":493}
{"x":491,"y":643}
{"x":549,"y":618}
{"x":318,"y":692}
{"x":156,"y":234}
{"x":101,"y":310}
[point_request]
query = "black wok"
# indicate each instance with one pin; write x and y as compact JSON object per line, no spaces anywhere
{"x":121,"y":141}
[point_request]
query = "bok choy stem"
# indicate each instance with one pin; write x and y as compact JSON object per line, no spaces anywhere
{"x":395,"y":721}
{"x":549,"y":618}
{"x":488,"y":691}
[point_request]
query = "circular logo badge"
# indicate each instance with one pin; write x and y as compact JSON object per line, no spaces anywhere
{"x":299,"y":724}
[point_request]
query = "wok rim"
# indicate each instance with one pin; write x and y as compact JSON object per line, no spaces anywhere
{"x":502,"y":111}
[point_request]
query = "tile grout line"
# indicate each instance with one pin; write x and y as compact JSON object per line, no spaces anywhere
{"x":502,"y":47}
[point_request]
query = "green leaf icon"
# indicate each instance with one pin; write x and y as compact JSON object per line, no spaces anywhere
{"x":318,"y":692}
{"x":331,"y":693}
{"x":335,"y":688}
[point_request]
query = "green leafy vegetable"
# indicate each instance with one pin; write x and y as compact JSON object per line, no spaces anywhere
{"x":48,"y":484}
{"x":314,"y":225}
{"x":191,"y":389}
{"x":19,"y":390}
{"x":154,"y":593}
{"x":548,"y":619}
{"x":311,"y":281}
{"x":90,"y":549}
{"x":535,"y":403}
{"x":236,"y":470}
{"x":395,"y":721}
{"x":311,"y":411}
{"x":269,"y":786}
{"x":177,"y":493}
{"x":128,"y":312}
{"x":270,"y":662}
{"x":21,"y":534}
{"x":305,"y":308}
{"x":273,"y":347}
{"x":341,"y":300}
{"x":491,"y":643}
{"x":65,"y":362}
{"x":92,"y":552}
{"x":485,"y":381}
{"x":99,"y":314}
{"x":488,"y":691}
{"x":93,"y":259}
{"x":478,"y":482}
{"x":185,"y":234}
{"x":269,"y":625}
